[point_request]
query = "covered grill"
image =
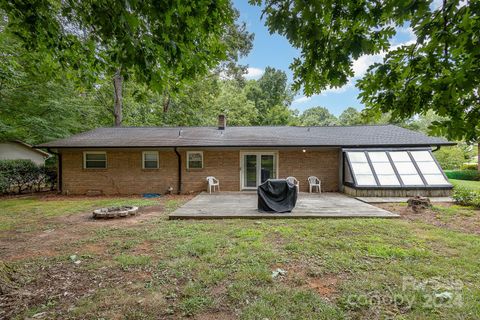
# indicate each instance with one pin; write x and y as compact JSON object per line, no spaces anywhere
{"x":276,"y":195}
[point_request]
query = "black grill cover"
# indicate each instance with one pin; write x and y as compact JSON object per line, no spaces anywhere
{"x":276,"y":196}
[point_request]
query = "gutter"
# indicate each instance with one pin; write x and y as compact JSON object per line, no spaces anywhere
{"x":179,"y":160}
{"x":59,"y":169}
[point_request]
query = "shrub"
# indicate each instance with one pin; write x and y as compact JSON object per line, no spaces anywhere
{"x":451,"y":158}
{"x":21,"y":175}
{"x":463,"y":174}
{"x":3,"y":184}
{"x":469,"y":166}
{"x":50,"y":173}
{"x":466,"y":197}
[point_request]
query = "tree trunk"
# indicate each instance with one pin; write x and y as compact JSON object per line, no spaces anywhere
{"x":117,"y":97}
{"x":166,"y":102}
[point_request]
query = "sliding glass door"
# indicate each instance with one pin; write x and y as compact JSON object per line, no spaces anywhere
{"x":257,"y":167}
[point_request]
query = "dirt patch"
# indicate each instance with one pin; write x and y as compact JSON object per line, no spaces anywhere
{"x":457,"y":221}
{"x":59,"y":232}
{"x":301,"y":275}
{"x":143,"y":248}
{"x":61,"y":284}
{"x":326,"y":285}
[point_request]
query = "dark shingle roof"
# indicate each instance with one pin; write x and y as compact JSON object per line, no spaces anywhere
{"x":267,"y":136}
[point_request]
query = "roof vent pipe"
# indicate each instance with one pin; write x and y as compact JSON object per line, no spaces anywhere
{"x":222,"y":122}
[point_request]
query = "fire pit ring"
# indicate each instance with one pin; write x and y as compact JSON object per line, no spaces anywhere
{"x":115,"y":212}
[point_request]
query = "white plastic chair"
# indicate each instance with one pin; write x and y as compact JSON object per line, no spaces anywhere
{"x":212,"y":183}
{"x":295,"y":182}
{"x":314,"y":182}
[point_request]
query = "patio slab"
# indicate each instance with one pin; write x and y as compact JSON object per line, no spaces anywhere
{"x":233,"y":205}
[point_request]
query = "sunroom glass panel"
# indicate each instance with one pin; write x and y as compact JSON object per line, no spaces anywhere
{"x":365,"y":180}
{"x":383,"y":168}
{"x":435,"y":179}
{"x":411,"y":180}
{"x":429,"y":167}
{"x":357,"y":157}
{"x":388,"y":180}
{"x":378,"y":156}
{"x":361,"y":168}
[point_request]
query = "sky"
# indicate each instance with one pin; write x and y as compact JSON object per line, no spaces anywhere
{"x":275,"y":51}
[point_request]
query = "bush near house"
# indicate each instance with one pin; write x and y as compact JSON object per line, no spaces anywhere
{"x":452,"y":158}
{"x":17,"y":176}
{"x":466,"y":197}
{"x":472,"y":175}
{"x":469,"y":166}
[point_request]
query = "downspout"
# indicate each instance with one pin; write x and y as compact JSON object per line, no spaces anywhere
{"x":59,"y":169}
{"x":436,"y":149}
{"x":179,"y":159}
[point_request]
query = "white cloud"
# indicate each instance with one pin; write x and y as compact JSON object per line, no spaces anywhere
{"x":361,"y":65}
{"x":302,"y":99}
{"x":341,"y":89}
{"x":254,"y":73}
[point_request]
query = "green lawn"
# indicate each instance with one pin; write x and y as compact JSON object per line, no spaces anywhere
{"x":155,"y":268}
{"x":474,"y":185}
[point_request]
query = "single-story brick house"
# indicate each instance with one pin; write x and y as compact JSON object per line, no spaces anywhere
{"x":383,"y":160}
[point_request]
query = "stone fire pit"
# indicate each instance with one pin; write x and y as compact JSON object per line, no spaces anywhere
{"x":115,"y":212}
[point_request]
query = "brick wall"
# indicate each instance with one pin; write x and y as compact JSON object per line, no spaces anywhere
{"x":301,"y":165}
{"x":124,"y":173}
{"x":223,"y":165}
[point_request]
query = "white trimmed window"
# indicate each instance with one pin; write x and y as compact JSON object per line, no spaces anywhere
{"x":95,"y":160}
{"x":194,"y":159}
{"x":150,"y":160}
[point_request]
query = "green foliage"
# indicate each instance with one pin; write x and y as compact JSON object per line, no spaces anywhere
{"x":271,"y":96}
{"x":350,"y":117}
{"x":163,"y":45}
{"x":4,"y":185}
{"x":466,"y":197}
{"x":330,"y":34}
{"x":39,"y":100}
{"x":318,"y":116}
{"x":438,"y":72}
{"x":451,"y":157}
{"x":472,"y":175}
{"x":469,"y":166}
{"x":233,"y":102}
{"x":21,"y":175}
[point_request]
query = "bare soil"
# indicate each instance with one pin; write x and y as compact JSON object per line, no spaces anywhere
{"x":38,"y":283}
{"x":458,"y":222}
{"x":62,"y":231}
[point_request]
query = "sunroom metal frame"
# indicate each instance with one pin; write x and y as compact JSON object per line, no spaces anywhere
{"x":347,"y":162}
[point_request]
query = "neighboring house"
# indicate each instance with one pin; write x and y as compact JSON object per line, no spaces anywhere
{"x":359,"y":160}
{"x":14,"y":150}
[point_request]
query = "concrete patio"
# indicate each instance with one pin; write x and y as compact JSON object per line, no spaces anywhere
{"x":233,"y":205}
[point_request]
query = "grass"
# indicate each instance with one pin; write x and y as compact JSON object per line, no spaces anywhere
{"x":472,"y":185}
{"x":171,"y":269}
{"x":22,"y":213}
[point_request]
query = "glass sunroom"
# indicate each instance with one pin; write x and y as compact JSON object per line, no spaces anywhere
{"x":393,"y":172}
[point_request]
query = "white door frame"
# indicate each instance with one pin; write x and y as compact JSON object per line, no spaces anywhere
{"x":258,"y":153}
